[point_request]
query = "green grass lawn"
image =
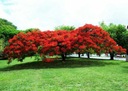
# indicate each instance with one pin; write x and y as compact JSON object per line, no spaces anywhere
{"x":74,"y":75}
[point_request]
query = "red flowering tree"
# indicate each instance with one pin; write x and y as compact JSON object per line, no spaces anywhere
{"x":22,"y":45}
{"x":41,"y":43}
{"x":101,"y":40}
{"x":58,"y":43}
{"x":83,"y":39}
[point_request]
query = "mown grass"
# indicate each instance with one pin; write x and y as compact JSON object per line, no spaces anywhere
{"x":76,"y":74}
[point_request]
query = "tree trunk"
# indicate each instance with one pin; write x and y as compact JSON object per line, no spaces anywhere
{"x":88,"y":55}
{"x":79,"y":54}
{"x":111,"y":55}
{"x":63,"y":57}
{"x":127,"y":55}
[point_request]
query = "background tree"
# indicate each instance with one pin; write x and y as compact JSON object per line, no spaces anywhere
{"x":7,"y":29}
{"x":30,"y":30}
{"x":118,"y":32}
{"x":63,"y":27}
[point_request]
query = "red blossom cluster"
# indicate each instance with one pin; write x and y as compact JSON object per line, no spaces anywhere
{"x":61,"y":42}
{"x":100,"y":40}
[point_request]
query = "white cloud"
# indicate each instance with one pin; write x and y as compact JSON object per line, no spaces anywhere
{"x":46,"y":14}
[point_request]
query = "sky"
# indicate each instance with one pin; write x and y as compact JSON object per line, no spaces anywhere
{"x":47,"y":14}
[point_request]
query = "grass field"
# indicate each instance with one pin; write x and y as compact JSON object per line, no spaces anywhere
{"x":76,"y":74}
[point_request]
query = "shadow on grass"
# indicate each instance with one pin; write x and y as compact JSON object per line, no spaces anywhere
{"x":125,"y":69}
{"x":69,"y":63}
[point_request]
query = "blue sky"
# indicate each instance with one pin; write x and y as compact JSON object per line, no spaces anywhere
{"x":47,"y":14}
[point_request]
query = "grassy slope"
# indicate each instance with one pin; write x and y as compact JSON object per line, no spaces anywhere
{"x":74,"y":75}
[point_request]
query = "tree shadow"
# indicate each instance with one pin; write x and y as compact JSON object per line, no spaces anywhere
{"x":69,"y":63}
{"x":125,"y":69}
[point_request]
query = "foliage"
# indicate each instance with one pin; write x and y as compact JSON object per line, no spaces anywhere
{"x":83,"y":39}
{"x":118,"y":32}
{"x":1,"y":45}
{"x":125,"y":40}
{"x":22,"y":45}
{"x":30,"y":30}
{"x":100,"y":40}
{"x":7,"y":29}
{"x":63,"y":27}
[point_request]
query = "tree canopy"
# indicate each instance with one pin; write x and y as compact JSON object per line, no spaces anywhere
{"x":83,"y":39}
{"x":63,"y":27}
{"x":7,"y":28}
{"x":30,"y":30}
{"x":118,"y":32}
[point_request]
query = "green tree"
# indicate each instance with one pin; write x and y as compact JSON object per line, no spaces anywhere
{"x":30,"y":30}
{"x":63,"y":27}
{"x":7,"y":29}
{"x":118,"y":32}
